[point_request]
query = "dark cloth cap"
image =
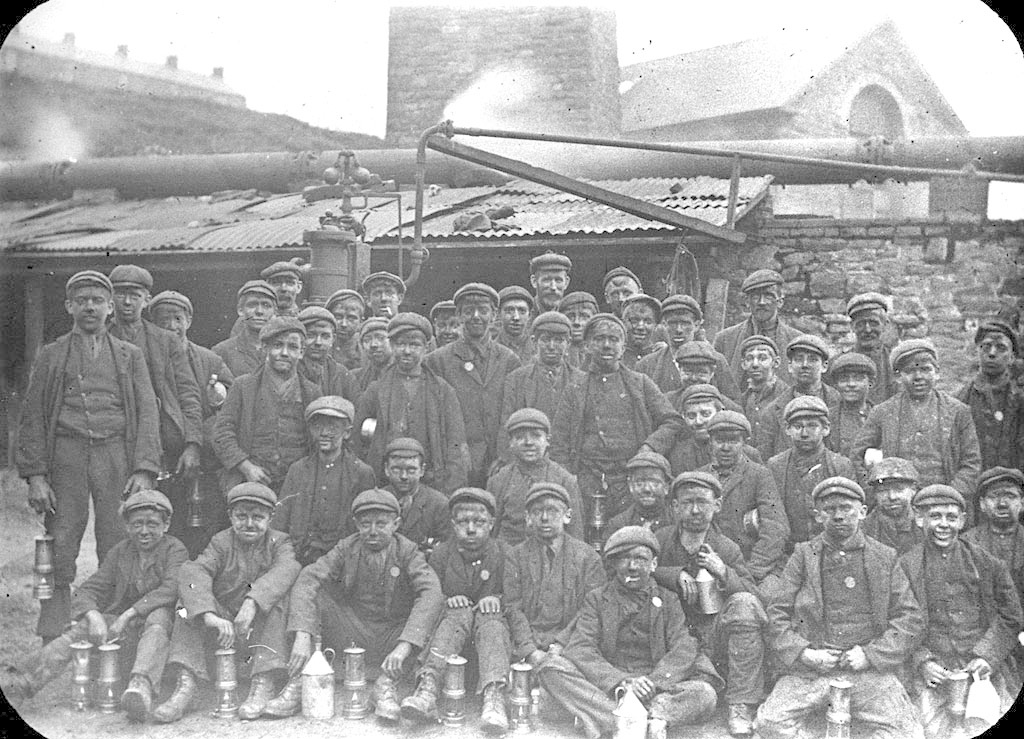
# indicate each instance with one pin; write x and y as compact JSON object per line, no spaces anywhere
{"x":599,"y":318}
{"x":647,"y":300}
{"x":258,"y":287}
{"x":628,"y":537}
{"x":865,"y":302}
{"x":280,"y":325}
{"x":528,"y":418}
{"x":696,"y":478}
{"x":994,"y":475}
{"x":892,"y":468}
{"x":375,"y":323}
{"x":473,"y":495}
{"x":680,"y":302}
{"x":383,"y":277}
{"x":619,"y":272}
{"x":252,"y":492}
{"x":700,"y":392}
{"x":345,"y":294}
{"x":908,"y":348}
{"x":514,"y":292}
{"x":760,"y":279}
{"x":552,"y":321}
{"x":313,"y":313}
{"x":146,"y":499}
{"x":938,"y":495}
{"x":645,"y":459}
{"x":331,"y":405}
{"x":404,"y":446}
{"x":171,"y":297}
{"x":403,"y":322}
{"x":376,"y":499}
{"x":545,"y":489}
{"x":478,"y":290}
{"x":132,"y":275}
{"x":550,"y":260}
{"x":442,"y":306}
{"x":1000,"y":326}
{"x":852,"y":362}
{"x":758,"y":340}
{"x":838,"y":486}
{"x":282,"y":268}
{"x":696,"y":351}
{"x":726,"y":420}
{"x":577,"y":298}
{"x":805,"y":405}
{"x":808,"y":343}
{"x":88,"y":277}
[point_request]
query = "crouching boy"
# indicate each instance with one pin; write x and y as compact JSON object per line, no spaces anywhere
{"x":234,"y":597}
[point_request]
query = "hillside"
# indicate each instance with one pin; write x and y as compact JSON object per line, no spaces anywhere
{"x":55,"y":120}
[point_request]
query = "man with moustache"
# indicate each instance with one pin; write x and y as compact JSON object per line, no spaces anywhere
{"x":515,"y":306}
{"x":869,"y":317}
{"x":348,"y":308}
{"x":384,"y":294}
{"x":549,"y":277}
{"x":579,"y":307}
{"x":243,"y":353}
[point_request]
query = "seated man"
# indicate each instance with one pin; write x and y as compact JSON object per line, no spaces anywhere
{"x":425,"y":520}
{"x":972,"y":611}
{"x":234,"y":596}
{"x":318,"y":490}
{"x":648,"y":475}
{"x":130,"y":597}
{"x":698,"y":404}
{"x":853,"y":376}
{"x":731,"y":632}
{"x":631,"y":635}
{"x":759,"y":364}
{"x":473,"y":569}
{"x":844,"y":609}
{"x":893,"y":483}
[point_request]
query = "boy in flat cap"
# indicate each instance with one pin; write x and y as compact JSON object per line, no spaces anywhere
{"x":234,"y":596}
{"x":384,"y":293}
{"x":549,"y":278}
{"x":317,"y":493}
{"x":474,"y":570}
{"x":243,"y":352}
{"x":376,"y":353}
{"x":477,"y":366}
{"x":261,"y":429}
{"x":640,"y":314}
{"x":348,"y":308}
{"x":698,"y":404}
{"x":844,"y":609}
{"x":317,"y":365}
{"x":579,"y":307}
{"x":425,"y":519}
{"x":130,"y":598}
{"x":995,"y":400}
{"x":528,"y":431}
{"x":971,"y":607}
{"x":893,"y":482}
{"x":869,"y":317}
{"x":631,"y":635}
{"x":759,"y":362}
{"x":445,"y":323}
{"x":762,"y":291}
{"x":697,"y":362}
{"x":619,"y":285}
{"x":852,"y":374}
{"x":89,"y":429}
{"x":648,"y":475}
{"x":999,"y":532}
{"x":374,"y":589}
{"x":732,"y":632}
{"x":286,"y":279}
{"x":515,"y":312}
{"x":806,"y":463}
{"x":925,"y":425}
{"x":410,"y":399}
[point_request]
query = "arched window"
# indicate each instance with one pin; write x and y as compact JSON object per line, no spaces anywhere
{"x":875,"y":112}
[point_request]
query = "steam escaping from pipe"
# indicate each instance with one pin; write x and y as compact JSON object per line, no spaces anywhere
{"x":50,"y":135}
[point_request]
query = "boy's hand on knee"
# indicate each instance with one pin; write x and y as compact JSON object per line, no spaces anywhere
{"x":392,"y":664}
{"x":97,"y":627}
{"x":225,"y":629}
{"x":489,"y":604}
{"x":245,"y":616}
{"x":302,"y":650}
{"x":458,"y":601}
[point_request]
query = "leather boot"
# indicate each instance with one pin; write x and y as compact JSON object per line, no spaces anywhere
{"x":385,"y":699}
{"x":493,"y":716}
{"x":261,"y":690}
{"x":422,"y":704}
{"x":288,"y":702}
{"x":137,"y":699}
{"x":174,"y":707}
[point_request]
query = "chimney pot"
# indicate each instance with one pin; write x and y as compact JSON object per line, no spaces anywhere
{"x":69,"y":39}
{"x":172,"y":62}
{"x":122,"y":51}
{"x":218,"y":73}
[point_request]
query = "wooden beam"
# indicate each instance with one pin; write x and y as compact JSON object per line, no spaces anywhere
{"x":734,"y":192}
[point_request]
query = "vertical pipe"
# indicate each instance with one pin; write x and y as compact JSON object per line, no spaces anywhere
{"x":34,"y":317}
{"x":734,"y":191}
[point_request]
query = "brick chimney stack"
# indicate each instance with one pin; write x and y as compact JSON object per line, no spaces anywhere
{"x":172,"y":62}
{"x":122,"y":51}
{"x":218,"y":73}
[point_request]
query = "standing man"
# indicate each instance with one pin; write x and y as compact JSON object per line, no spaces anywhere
{"x":549,"y":277}
{"x":697,"y":364}
{"x":257,"y":304}
{"x":853,"y":375}
{"x":286,"y":279}
{"x":349,"y":309}
{"x":869,"y":315}
{"x":515,"y":306}
{"x":89,"y":429}
{"x":759,"y":360}
{"x":579,"y":307}
{"x":384,"y":293}
{"x":317,"y":365}
{"x":619,"y":284}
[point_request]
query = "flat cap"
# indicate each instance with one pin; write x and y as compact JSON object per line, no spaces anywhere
{"x":698,"y":479}
{"x":999,"y":326}
{"x":88,"y":278}
{"x":726,"y":420}
{"x":281,"y":325}
{"x":579,"y":297}
{"x":909,"y":348}
{"x":991,"y":477}
{"x":442,"y":306}
{"x":403,"y":322}
{"x":938,"y":495}
{"x":808,"y":343}
{"x":345,"y":294}
{"x":251,"y":492}
{"x":680,"y":302}
{"x":803,"y":406}
{"x":645,"y":459}
{"x":866,"y":302}
{"x":758,"y":340}
{"x":853,"y":362}
{"x":545,"y":489}
{"x":619,"y":272}
{"x":334,"y":406}
{"x":258,"y":287}
{"x":476,"y":290}
{"x":700,"y":392}
{"x":761,"y":279}
{"x":642,"y":299}
{"x":171,"y":297}
{"x":550,"y":260}
{"x":600,"y":318}
{"x":696,"y":351}
{"x":376,"y":499}
{"x":628,"y":537}
{"x":528,"y":418}
{"x":552,"y":321}
{"x":473,"y":495}
{"x":404,"y":446}
{"x":282,"y":268}
{"x":514,"y":292}
{"x":313,"y":313}
{"x":146,"y":499}
{"x":131,"y":275}
{"x":382,"y":277}
{"x":843,"y":486}
{"x":375,"y":323}
{"x":892,"y":468}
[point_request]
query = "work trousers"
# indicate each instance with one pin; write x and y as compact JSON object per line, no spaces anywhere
{"x":735,"y":641}
{"x":488,"y":632}
{"x":81,"y":471}
{"x":341,"y":627}
{"x":879,"y":706}
{"x":940,"y":723}
{"x":685,"y":702}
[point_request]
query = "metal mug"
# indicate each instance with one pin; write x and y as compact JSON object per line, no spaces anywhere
{"x":226,"y":682}
{"x":454,"y":693}
{"x":108,"y":695}
{"x":708,"y":595}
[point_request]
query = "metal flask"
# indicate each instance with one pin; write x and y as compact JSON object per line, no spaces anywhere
{"x":630,"y":716}
{"x":520,"y":699}
{"x":707,"y":592}
{"x":226,"y":682}
{"x":355,"y":694}
{"x":81,"y":675}
{"x":318,"y":684}
{"x":42,"y":568}
{"x":454,"y":693}
{"x":837,"y":717}
{"x":108,"y":695}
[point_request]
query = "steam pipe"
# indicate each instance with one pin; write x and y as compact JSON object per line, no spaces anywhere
{"x":418,"y":254}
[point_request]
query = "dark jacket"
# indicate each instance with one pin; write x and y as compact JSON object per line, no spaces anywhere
{"x":426,"y":520}
{"x":674,"y":559}
{"x":982,"y":536}
{"x":205,"y":363}
{"x":1001,"y":438}
{"x":772,"y":439}
{"x":510,"y":516}
{"x":796,"y":504}
{"x":459,"y":578}
{"x":728,"y":340}
{"x":661,"y":367}
{"x":525,"y":388}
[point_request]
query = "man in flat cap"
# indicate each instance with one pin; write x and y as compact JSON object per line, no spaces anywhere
{"x":852,"y":375}
{"x":759,"y":364}
{"x":425,"y":519}
{"x":88,"y":430}
{"x":384,"y":293}
{"x":411,"y":399}
{"x":844,"y":610}
{"x":762,"y":291}
{"x":972,"y":613}
{"x":515,"y":312}
{"x":730,"y":622}
{"x":619,"y":284}
{"x":286,"y":279}
{"x":579,"y":307}
{"x":549,"y":278}
{"x":698,"y":404}
{"x":648,"y":475}
{"x":317,"y":493}
{"x":261,"y":429}
{"x":601,"y":423}
{"x":869,"y":317}
{"x":892,"y":483}
{"x":375,"y":350}
{"x":631,"y":635}
{"x":374,"y":589}
{"x":640,"y":314}
{"x":995,"y":400}
{"x":317,"y":364}
{"x":697,"y":363}
{"x":925,"y":425}
{"x":242,"y":352}
{"x":477,"y":366}
{"x":445,"y":323}
{"x":348,"y":308}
